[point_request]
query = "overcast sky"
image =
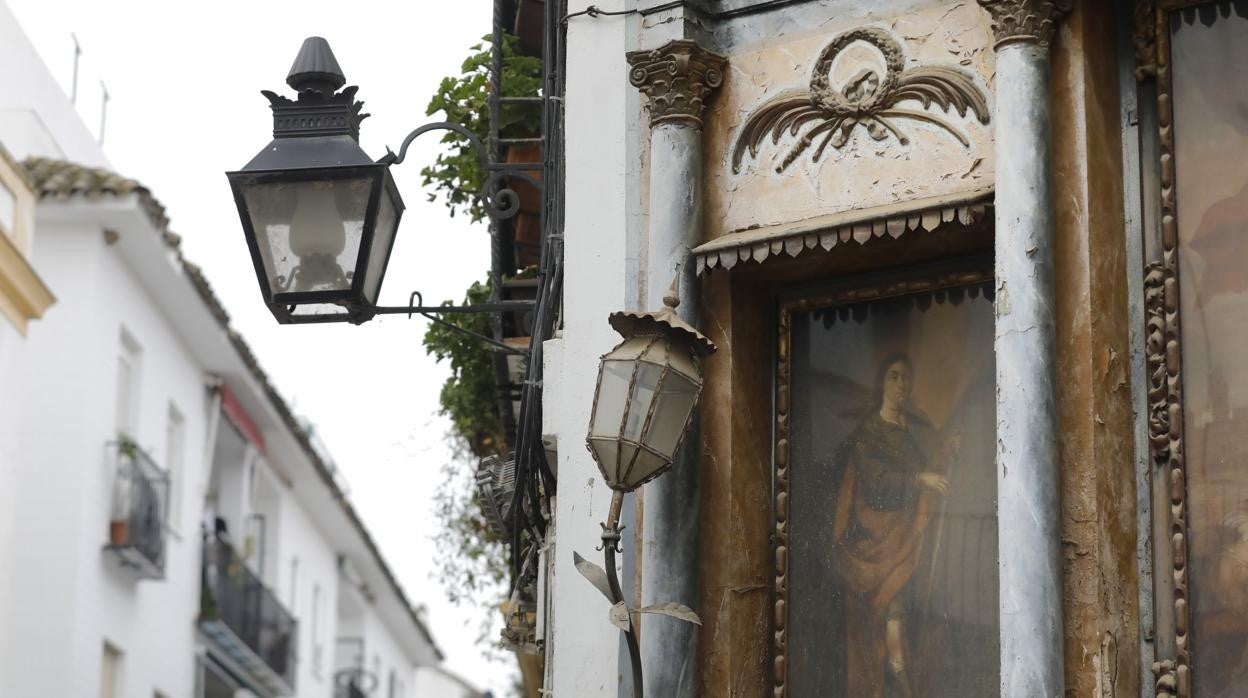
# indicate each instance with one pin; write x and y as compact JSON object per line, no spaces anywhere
{"x":184,"y":82}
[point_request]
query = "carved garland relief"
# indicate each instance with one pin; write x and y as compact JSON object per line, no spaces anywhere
{"x":873,"y":99}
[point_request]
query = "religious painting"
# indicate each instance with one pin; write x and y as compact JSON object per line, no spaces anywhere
{"x":1208,"y":83}
{"x":886,"y":493}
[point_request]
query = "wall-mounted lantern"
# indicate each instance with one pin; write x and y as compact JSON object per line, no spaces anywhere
{"x":647,"y":388}
{"x":319,"y":214}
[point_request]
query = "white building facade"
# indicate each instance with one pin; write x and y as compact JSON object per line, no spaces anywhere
{"x":169,"y":527}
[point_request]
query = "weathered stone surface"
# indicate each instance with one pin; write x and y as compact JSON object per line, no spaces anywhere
{"x":863,"y":172}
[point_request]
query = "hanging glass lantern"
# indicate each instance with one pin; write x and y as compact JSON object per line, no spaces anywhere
{"x":648,"y":386}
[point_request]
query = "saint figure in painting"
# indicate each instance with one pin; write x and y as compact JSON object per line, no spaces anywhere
{"x":889,"y":493}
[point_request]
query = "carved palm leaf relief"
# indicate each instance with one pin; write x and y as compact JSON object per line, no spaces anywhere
{"x":868,"y":99}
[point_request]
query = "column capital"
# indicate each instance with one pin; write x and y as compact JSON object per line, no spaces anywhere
{"x":1025,"y":21}
{"x":678,"y":78}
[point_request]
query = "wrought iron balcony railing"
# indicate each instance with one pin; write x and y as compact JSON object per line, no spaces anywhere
{"x":245,"y":620}
{"x":136,"y":529}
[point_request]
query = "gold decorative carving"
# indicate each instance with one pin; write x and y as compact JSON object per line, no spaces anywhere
{"x":1165,"y":380}
{"x":969,"y":278}
{"x":1167,"y":685}
{"x":1025,"y":21}
{"x":1144,"y":36}
{"x":781,"y":544}
{"x":678,"y":79}
{"x":869,"y":99}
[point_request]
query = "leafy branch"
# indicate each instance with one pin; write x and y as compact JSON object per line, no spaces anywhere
{"x":465,"y":100}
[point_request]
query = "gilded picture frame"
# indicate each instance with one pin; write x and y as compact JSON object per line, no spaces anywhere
{"x":966,"y":278}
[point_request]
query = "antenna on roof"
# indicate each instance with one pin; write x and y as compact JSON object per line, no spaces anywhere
{"x":73,"y":94}
{"x":103,"y":110}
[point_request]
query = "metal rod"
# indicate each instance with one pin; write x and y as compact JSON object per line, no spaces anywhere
{"x":610,"y":546}
{"x":73,"y":94}
{"x":499,"y":307}
{"x":501,"y":346}
{"x":515,"y":167}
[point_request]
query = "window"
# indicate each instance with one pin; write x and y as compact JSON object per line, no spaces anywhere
{"x":128,"y":365}
{"x":316,"y":630}
{"x":110,"y":672}
{"x":294,"y":582}
{"x":175,"y":445}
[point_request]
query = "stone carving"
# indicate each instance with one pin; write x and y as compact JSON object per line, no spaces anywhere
{"x":1025,"y":21}
{"x":1165,"y":383}
{"x":678,"y":79}
{"x":869,"y":99}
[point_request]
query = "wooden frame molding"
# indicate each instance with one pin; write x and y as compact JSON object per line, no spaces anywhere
{"x":1164,"y":344}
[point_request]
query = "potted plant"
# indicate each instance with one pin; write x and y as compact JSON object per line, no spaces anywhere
{"x":123,"y":491}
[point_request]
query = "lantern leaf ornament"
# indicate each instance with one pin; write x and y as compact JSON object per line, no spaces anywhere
{"x":648,"y":386}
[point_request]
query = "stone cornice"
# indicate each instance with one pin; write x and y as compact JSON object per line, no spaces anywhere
{"x":1025,"y":21}
{"x":678,"y":78}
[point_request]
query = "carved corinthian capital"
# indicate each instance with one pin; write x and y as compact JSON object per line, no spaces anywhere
{"x":678,"y":78}
{"x":1025,"y":21}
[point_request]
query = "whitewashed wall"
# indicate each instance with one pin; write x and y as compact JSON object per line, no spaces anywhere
{"x":601,"y":272}
{"x":70,"y":597}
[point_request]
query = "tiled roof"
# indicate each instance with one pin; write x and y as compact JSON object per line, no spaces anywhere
{"x":58,"y":179}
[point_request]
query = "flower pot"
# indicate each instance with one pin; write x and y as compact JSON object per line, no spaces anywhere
{"x":118,"y":532}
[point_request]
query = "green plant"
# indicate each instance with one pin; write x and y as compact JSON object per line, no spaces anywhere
{"x":465,"y":100}
{"x":470,"y":395}
{"x":127,"y":447}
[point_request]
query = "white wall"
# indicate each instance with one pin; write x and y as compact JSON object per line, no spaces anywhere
{"x":600,"y":221}
{"x":433,"y":683}
{"x":67,"y":587}
{"x":299,"y":537}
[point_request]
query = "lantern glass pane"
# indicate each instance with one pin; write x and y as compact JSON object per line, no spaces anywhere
{"x":308,"y":233}
{"x":647,"y":382}
{"x":605,"y":451}
{"x":646,"y":465}
{"x":628,"y":451}
{"x":612,"y":397}
{"x":305,"y":310}
{"x":383,"y":239}
{"x":671,"y":413}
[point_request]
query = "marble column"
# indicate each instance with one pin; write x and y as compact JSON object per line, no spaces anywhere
{"x":677,"y":80}
{"x":1028,"y":475}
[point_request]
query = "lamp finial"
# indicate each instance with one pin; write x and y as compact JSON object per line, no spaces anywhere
{"x":672,"y":299}
{"x":315,"y":68}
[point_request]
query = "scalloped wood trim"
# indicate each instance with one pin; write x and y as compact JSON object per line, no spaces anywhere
{"x":826,"y":232}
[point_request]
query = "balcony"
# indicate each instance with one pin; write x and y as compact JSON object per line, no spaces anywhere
{"x":245,"y":621}
{"x":136,"y":529}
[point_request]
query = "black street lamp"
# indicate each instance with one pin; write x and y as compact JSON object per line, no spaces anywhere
{"x":319,"y":214}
